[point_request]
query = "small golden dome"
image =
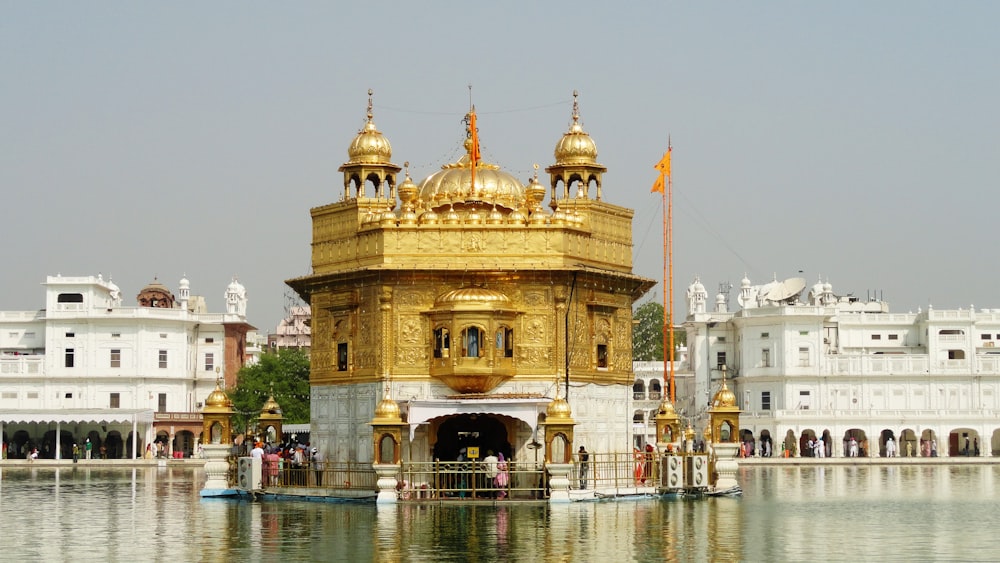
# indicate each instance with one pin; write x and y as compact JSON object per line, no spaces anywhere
{"x":558,"y":408}
{"x":451,"y":217}
{"x":408,"y":190}
{"x":388,"y":218}
{"x":387,"y":409}
{"x":724,"y":397}
{"x":576,"y":146}
{"x":217,"y":398}
{"x":516,"y":218}
{"x":476,"y":296}
{"x":429,"y":217}
{"x":495,"y":217}
{"x":369,"y":146}
{"x":408,"y":217}
{"x":270,"y":406}
{"x":666,"y":409}
{"x":474,"y":217}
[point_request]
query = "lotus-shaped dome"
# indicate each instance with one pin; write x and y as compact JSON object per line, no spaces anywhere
{"x":453,"y":184}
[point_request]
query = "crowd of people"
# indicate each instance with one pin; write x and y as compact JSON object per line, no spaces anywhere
{"x":290,"y":464}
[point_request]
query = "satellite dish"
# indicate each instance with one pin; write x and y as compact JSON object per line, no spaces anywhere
{"x":786,"y":290}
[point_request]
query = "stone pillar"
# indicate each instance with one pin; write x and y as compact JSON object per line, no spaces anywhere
{"x":559,"y":474}
{"x":387,"y":482}
{"x":726,"y":465}
{"x":216,"y":467}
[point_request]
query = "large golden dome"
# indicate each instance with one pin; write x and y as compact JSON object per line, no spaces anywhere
{"x":576,"y":146}
{"x":369,"y":146}
{"x":453,"y":184}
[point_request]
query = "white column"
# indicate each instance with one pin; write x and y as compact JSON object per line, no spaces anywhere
{"x":59,"y":449}
{"x":135,"y":434}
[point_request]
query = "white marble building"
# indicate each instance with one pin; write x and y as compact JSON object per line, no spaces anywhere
{"x":810,"y":364}
{"x":86,"y":366}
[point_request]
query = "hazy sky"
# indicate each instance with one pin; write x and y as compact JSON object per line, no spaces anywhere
{"x":857,"y":141}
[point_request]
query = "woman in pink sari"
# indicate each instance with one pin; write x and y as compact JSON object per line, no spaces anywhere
{"x":503,"y":476}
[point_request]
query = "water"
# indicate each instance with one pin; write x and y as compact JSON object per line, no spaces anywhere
{"x":786,"y":514}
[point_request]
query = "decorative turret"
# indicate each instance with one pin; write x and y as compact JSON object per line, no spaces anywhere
{"x":724,"y":421}
{"x":668,"y":424}
{"x":559,"y":425}
{"x":217,"y":417}
{"x":236,"y":298}
{"x":184,"y":292}
{"x":271,"y":418}
{"x":576,"y":161}
{"x":368,"y":159}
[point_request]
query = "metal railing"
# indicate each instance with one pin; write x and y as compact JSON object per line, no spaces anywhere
{"x":615,"y":471}
{"x":342,"y":476}
{"x":472,"y":480}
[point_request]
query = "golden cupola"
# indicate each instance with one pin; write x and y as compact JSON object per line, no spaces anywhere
{"x":369,"y":159}
{"x":724,"y":398}
{"x":576,"y":161}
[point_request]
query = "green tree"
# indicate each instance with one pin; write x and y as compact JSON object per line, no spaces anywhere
{"x":286,"y":375}
{"x":647,"y":333}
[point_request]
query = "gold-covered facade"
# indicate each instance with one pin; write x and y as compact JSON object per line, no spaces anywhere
{"x":467,"y":287}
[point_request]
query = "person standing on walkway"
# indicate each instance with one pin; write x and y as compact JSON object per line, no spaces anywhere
{"x":317,"y":463}
{"x":88,"y":447}
{"x":584,"y":457}
{"x":76,"y":453}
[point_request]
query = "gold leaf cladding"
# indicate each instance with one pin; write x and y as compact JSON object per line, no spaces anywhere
{"x":534,"y":356}
{"x":412,"y":298}
{"x":534,"y":330}
{"x":535,"y":298}
{"x":475,"y":243}
{"x":411,"y":356}
{"x":410,"y":330}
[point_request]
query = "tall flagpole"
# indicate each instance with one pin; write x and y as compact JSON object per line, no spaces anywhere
{"x":666,"y":189}
{"x":670,"y":260}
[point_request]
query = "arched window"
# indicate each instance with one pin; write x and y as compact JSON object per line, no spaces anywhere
{"x":442,"y":342}
{"x":638,"y":390}
{"x":472,"y":340}
{"x":654,"y":390}
{"x":505,"y":342}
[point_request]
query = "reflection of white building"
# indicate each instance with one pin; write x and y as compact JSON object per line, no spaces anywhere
{"x":87,"y":367}
{"x":836,"y":367}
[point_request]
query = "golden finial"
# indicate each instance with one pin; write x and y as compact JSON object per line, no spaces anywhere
{"x":535,"y":166}
{"x":370,"y":92}
{"x":576,"y":107}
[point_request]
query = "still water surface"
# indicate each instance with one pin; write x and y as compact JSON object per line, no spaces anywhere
{"x":786,"y":514}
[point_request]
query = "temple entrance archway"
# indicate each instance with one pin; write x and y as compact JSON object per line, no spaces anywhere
{"x":456,"y":434}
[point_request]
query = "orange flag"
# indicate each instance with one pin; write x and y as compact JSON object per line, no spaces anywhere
{"x":664,"y":167}
{"x":475,"y":155}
